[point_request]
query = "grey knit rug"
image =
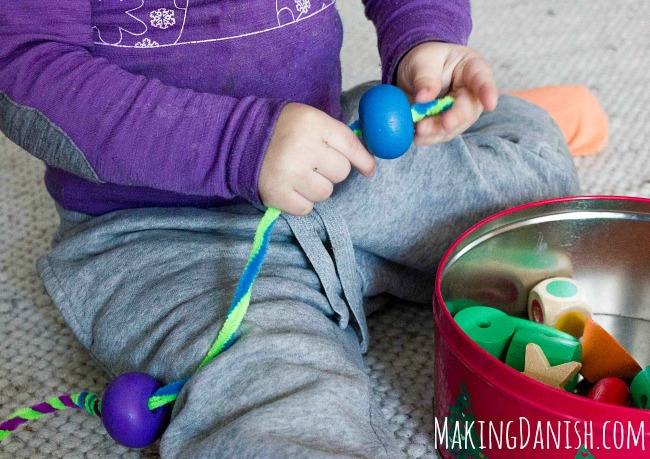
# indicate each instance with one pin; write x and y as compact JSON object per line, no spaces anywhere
{"x":529,"y":42}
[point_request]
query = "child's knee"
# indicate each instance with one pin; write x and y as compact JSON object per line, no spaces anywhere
{"x":522,"y":152}
{"x":522,"y":123}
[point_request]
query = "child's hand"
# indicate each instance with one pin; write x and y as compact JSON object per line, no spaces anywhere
{"x":309,"y":152}
{"x":431,"y":69}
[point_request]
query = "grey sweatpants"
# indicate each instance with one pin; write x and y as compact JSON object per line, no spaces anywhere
{"x":148,"y":289}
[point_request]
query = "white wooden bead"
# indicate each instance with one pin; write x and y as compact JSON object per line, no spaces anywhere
{"x":561,"y":303}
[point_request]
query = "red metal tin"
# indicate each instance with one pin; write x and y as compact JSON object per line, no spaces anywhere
{"x":517,"y":417}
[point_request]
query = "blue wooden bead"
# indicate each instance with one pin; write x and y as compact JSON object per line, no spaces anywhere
{"x":386,"y":121}
{"x":126,"y":414}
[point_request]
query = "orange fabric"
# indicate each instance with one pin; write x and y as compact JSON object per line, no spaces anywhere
{"x":578,"y":113}
{"x":603,"y":356}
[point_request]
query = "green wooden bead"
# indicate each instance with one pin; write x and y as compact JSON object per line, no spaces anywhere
{"x":558,"y":350}
{"x":455,"y":306}
{"x":536,"y":327}
{"x":488,"y":327}
{"x":640,"y":389}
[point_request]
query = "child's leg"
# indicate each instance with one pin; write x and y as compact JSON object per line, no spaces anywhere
{"x":403,"y":219}
{"x":148,"y":290}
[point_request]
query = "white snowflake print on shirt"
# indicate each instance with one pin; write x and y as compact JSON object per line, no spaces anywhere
{"x":288,"y":11}
{"x":163,"y":18}
{"x":146,"y":43}
{"x":147,"y":24}
{"x":302,"y":6}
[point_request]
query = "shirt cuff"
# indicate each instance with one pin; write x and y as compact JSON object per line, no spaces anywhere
{"x":249,"y":143}
{"x":448,"y":25}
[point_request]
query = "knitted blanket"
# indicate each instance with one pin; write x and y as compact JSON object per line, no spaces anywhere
{"x":529,"y":43}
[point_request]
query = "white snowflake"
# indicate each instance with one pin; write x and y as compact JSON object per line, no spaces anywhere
{"x":302,"y":6}
{"x":163,"y":18}
{"x":146,"y":43}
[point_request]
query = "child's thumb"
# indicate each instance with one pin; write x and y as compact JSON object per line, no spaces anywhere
{"x":425,"y":87}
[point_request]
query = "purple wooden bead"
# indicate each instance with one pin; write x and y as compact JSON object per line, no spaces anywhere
{"x":126,"y":414}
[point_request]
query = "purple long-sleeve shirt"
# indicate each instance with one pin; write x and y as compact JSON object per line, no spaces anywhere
{"x":136,"y":103}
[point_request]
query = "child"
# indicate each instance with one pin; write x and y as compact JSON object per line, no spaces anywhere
{"x":168,"y":126}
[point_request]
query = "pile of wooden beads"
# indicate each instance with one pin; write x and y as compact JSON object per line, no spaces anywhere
{"x":559,"y":343}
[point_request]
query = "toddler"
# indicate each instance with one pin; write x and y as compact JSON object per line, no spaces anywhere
{"x":168,"y":126}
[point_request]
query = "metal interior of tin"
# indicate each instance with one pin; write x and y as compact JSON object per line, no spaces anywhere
{"x":604,"y":242}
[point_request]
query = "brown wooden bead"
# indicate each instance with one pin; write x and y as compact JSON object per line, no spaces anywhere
{"x":538,"y":368}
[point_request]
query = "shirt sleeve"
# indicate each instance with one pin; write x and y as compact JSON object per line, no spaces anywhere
{"x":129,"y":130}
{"x":403,"y":24}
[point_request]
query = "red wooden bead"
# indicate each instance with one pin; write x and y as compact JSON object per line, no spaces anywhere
{"x":610,"y":390}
